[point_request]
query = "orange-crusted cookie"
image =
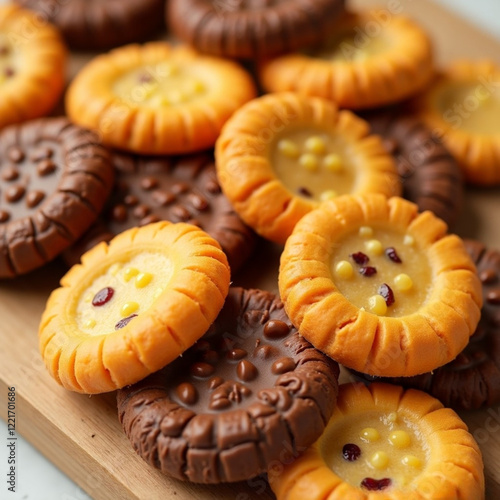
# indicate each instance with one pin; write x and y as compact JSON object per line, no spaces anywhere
{"x":32,"y":65}
{"x":463,"y":105}
{"x":386,"y":443}
{"x":157,"y":98}
{"x":133,"y":306}
{"x":281,"y":155}
{"x":378,"y":287}
{"x":371,"y":59}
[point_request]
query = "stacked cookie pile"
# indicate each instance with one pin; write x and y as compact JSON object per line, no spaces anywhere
{"x":167,"y":171}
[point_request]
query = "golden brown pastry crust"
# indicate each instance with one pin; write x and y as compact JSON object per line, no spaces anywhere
{"x":379,"y":345}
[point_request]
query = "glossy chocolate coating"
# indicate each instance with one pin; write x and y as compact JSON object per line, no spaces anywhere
{"x":251,"y":390}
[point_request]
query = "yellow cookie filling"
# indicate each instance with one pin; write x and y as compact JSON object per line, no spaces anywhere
{"x":375,"y":447}
{"x":125,"y":289}
{"x":470,"y":107}
{"x":314,"y":164}
{"x":164,"y":84}
{"x":382,"y":271}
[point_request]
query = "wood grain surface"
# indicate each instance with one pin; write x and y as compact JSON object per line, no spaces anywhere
{"x":81,"y":434}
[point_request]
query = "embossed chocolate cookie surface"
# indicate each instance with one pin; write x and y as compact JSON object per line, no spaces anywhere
{"x":430,"y":176}
{"x":251,"y":28}
{"x":177,"y":189}
{"x":54,"y":180}
{"x":472,"y":379}
{"x":249,"y":391}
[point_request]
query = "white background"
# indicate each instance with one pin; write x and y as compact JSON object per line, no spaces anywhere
{"x":38,"y":479}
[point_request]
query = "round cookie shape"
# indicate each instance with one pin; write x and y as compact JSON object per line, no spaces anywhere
{"x":252,"y":28}
{"x":249,"y":390}
{"x":282,"y":155}
{"x":472,"y":379}
{"x":54,"y":180}
{"x":157,"y":98}
{"x":463,"y":106}
{"x":94,"y":24}
{"x":371,"y":59}
{"x":132,"y":306}
{"x":177,"y":189}
{"x":32,"y":65}
{"x":378,"y":287}
{"x":385,"y":442}
{"x":430,"y":176}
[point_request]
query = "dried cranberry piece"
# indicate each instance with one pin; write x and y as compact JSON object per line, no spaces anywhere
{"x":103,"y":296}
{"x":124,"y":322}
{"x":393,"y":255}
{"x":305,"y":192}
{"x":367,"y":271}
{"x":360,"y":258}
{"x":351,"y":452}
{"x":375,"y":484}
{"x":386,"y":291}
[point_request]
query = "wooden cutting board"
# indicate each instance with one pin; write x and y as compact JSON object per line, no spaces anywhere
{"x":81,"y":434}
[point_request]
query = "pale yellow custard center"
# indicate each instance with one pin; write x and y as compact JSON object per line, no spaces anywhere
{"x":123,"y":292}
{"x":314,"y":164}
{"x":382,"y":271}
{"x":9,"y":60}
{"x":164,"y":84}
{"x":375,"y":451}
{"x":471,"y":107}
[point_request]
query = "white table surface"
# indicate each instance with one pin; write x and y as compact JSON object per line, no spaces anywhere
{"x":38,"y":479}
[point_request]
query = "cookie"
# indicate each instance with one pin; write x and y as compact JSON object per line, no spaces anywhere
{"x":472,"y":379}
{"x":54,"y":180}
{"x":462,"y":105}
{"x":157,"y":98}
{"x":281,"y":155}
{"x":177,"y":189}
{"x":132,"y":306}
{"x":252,"y":28}
{"x":249,"y":392}
{"x":378,"y":287}
{"x":430,"y":176}
{"x":384,"y":442}
{"x":371,"y":59}
{"x":32,"y":66}
{"x":94,"y":24}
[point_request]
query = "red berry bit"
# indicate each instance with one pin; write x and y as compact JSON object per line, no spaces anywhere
{"x":103,"y":297}
{"x":393,"y":255}
{"x":386,"y":291}
{"x":375,"y":484}
{"x":124,"y":322}
{"x":360,"y":258}
{"x":351,"y":452}
{"x":305,"y":192}
{"x":367,"y":271}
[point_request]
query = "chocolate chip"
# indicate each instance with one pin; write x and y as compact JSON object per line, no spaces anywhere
{"x":202,"y":369}
{"x":130,"y":200}
{"x":236,"y":354}
{"x":150,"y":219}
{"x":180,"y":187}
{"x":181,"y":213}
{"x":4,"y":216}
{"x":219,"y":404}
{"x":202,"y":345}
{"x":215,"y":382}
{"x":187,"y":393}
{"x":41,"y":153}
{"x":390,"y":145}
{"x":246,"y":370}
{"x":162,"y":198}
{"x":141,"y":211}
{"x":15,"y":154}
{"x":148,"y":183}
{"x":34,"y":198}
{"x":119,"y":213}
{"x":488,"y":277}
{"x":195,"y":222}
{"x":213,"y":187}
{"x":493,"y":297}
{"x":45,"y":167}
{"x":14,"y":193}
{"x":283,"y":365}
{"x":10,"y":173}
{"x":198,"y":202}
{"x":276,"y":329}
{"x":210,"y":356}
{"x":265,"y":351}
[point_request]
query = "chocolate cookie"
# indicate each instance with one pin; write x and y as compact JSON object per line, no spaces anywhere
{"x":54,"y":180}
{"x":472,"y":379}
{"x":252,"y":28}
{"x":251,"y":390}
{"x":177,"y":189}
{"x":430,"y":176}
{"x":94,"y":24}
